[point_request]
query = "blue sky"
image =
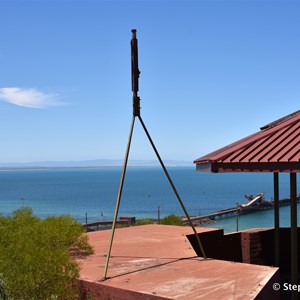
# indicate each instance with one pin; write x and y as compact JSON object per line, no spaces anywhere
{"x":211,"y":72}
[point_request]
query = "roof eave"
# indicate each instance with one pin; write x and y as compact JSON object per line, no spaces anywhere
{"x":216,"y":167}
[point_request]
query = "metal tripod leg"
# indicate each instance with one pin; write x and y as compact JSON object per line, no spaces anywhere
{"x":118,"y":199}
{"x":173,"y":186}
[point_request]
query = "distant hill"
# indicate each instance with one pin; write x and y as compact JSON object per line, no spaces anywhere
{"x":93,"y":163}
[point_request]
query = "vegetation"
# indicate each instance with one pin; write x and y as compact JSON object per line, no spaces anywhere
{"x":172,"y":220}
{"x":168,"y":220}
{"x":36,"y":256}
{"x":143,"y":222}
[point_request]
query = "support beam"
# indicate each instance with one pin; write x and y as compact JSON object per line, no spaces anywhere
{"x":294,"y":246}
{"x":276,"y":221}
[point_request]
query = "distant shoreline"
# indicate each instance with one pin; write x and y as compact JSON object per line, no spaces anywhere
{"x":91,"y":164}
{"x":86,"y":167}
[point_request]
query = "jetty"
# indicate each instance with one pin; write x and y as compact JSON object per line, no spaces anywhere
{"x":255,"y":204}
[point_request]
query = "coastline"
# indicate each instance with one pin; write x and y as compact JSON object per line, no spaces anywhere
{"x":93,"y":190}
{"x":88,"y":167}
{"x":91,"y":164}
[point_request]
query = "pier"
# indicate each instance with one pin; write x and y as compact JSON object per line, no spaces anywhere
{"x":254,"y":205}
{"x":213,"y":216}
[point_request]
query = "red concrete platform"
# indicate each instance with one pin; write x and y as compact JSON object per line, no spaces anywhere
{"x":158,"y":262}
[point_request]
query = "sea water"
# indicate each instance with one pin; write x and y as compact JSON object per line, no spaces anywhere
{"x":92,"y":192}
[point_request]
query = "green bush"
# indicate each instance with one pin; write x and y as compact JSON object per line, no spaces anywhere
{"x":143,"y":222}
{"x":172,"y":220}
{"x":36,"y":256}
{"x":122,"y":225}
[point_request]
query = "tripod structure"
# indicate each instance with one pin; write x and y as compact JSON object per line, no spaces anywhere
{"x":136,"y":113}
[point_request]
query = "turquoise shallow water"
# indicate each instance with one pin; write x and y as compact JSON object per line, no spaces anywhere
{"x":94,"y":191}
{"x":255,"y":220}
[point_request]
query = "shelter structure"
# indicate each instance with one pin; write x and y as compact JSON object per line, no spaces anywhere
{"x":275,"y":148}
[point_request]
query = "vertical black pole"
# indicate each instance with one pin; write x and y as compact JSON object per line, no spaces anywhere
{"x":276,"y":220}
{"x":294,"y":246}
{"x":135,"y":74}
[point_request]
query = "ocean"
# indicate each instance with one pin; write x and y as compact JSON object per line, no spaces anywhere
{"x":93,"y":192}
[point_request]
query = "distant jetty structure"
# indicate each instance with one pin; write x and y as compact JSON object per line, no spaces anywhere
{"x":255,"y":204}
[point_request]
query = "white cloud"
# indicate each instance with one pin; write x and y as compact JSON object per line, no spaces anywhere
{"x":28,"y":97}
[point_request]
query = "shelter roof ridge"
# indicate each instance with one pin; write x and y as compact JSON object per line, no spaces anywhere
{"x":280,"y":120}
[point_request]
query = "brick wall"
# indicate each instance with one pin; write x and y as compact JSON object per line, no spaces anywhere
{"x":253,"y":246}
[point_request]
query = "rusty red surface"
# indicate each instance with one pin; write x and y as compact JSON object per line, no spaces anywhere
{"x":157,"y":262}
{"x":275,"y":148}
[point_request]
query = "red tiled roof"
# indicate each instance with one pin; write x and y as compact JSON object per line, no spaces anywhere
{"x":275,"y":148}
